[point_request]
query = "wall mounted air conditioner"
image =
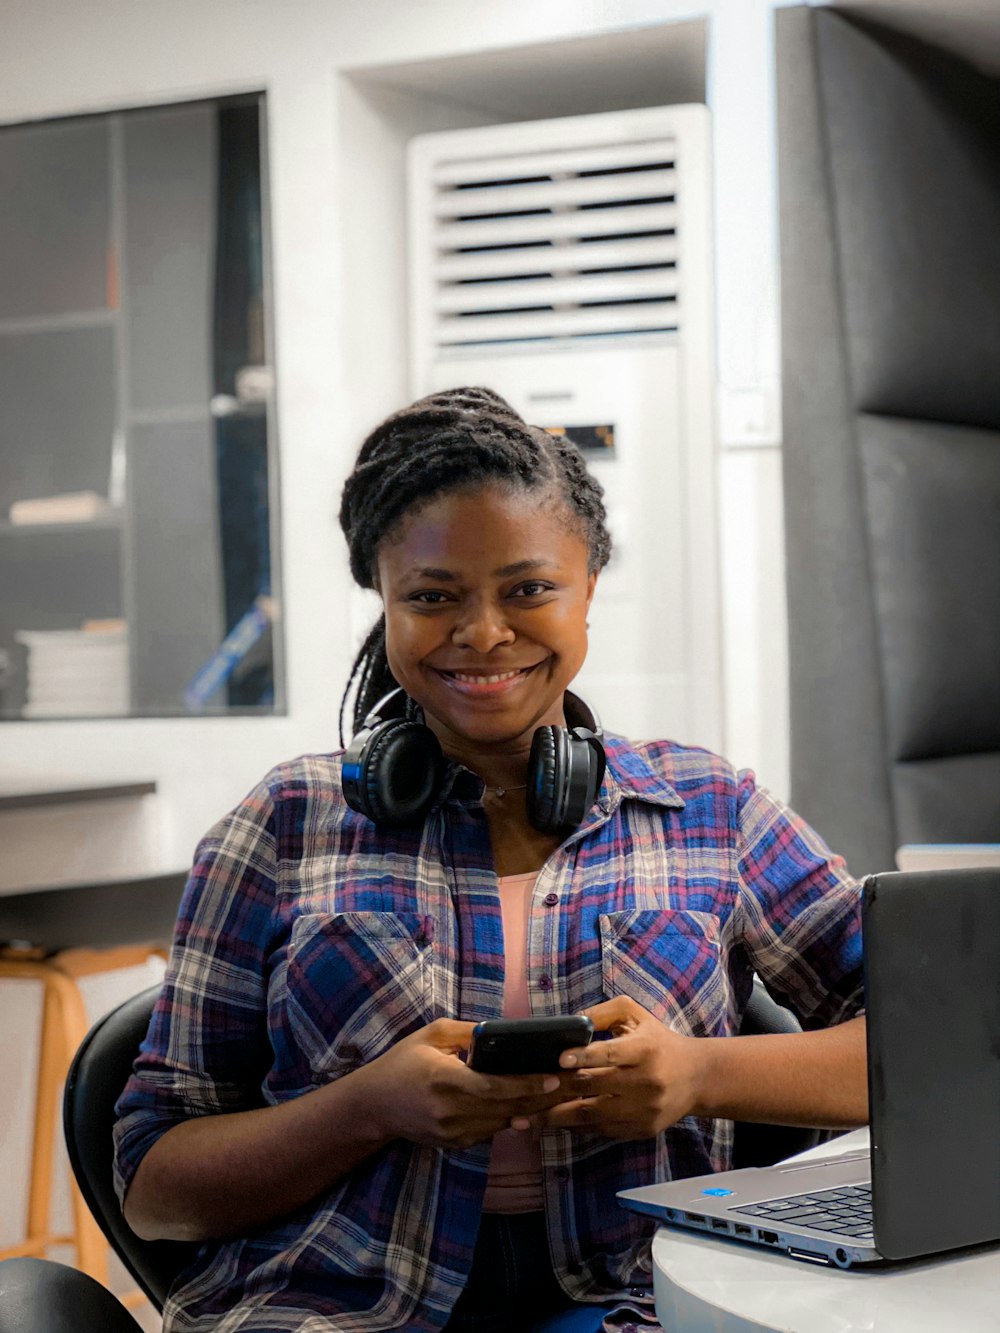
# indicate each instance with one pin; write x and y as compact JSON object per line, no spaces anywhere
{"x":567,"y":265}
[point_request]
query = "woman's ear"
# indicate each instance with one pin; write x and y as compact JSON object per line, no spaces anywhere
{"x":591,"y":585}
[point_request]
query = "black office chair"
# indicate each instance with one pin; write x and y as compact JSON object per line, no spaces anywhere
{"x":760,"y":1145}
{"x":40,"y":1296}
{"x":102,"y":1067}
{"x":95,"y":1081}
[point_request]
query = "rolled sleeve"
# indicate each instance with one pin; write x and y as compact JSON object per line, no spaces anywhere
{"x":206,"y":1050}
{"x":800,"y":911}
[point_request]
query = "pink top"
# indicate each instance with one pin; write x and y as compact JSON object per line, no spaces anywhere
{"x":515,"y":1178}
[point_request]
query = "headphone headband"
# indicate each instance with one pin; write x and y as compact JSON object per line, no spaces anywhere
{"x":375,"y":714}
{"x":591,"y":722}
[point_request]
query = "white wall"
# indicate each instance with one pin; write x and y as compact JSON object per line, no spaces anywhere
{"x":335,"y":156}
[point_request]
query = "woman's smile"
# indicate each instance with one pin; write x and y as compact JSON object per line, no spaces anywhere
{"x":483,"y":684}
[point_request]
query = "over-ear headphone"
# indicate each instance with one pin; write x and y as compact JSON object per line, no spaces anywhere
{"x":393,"y":768}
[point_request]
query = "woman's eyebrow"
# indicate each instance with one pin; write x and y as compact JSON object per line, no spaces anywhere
{"x":520,"y":567}
{"x":431,"y":572}
{"x":504,"y":572}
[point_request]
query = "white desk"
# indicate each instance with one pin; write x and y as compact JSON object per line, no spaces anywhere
{"x":71,"y":832}
{"x":706,"y":1285}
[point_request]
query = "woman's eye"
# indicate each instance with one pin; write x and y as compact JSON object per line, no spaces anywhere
{"x":532,"y":589}
{"x":428,"y":597}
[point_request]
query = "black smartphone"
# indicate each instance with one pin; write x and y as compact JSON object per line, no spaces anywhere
{"x":526,"y":1045}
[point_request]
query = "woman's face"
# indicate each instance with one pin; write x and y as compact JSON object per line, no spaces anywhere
{"x":486,"y":595}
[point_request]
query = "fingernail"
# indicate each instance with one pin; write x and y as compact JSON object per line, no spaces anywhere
{"x":550,"y":1084}
{"x":567,"y":1061}
{"x":519,"y":1122}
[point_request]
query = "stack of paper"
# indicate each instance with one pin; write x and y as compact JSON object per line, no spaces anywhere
{"x":77,"y":672}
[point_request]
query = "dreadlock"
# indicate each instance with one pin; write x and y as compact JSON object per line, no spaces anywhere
{"x":447,"y":442}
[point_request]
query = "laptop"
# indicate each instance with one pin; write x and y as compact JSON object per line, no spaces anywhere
{"x":931,"y":1179}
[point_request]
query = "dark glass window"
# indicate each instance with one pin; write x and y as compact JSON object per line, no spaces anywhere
{"x":137,"y":440}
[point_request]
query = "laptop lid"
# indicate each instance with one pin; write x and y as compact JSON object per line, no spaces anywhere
{"x":932,"y":975}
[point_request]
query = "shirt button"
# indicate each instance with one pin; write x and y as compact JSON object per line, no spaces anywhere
{"x":550,"y":899}
{"x":562,"y":1173}
{"x":629,"y":1328}
{"x":544,"y":983}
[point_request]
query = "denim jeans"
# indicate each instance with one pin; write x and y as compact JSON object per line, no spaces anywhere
{"x":511,"y":1287}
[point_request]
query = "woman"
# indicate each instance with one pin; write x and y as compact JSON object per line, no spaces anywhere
{"x":302,"y":1105}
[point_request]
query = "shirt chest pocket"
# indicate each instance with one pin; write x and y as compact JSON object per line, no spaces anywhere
{"x":356,"y":982}
{"x":670,"y":962}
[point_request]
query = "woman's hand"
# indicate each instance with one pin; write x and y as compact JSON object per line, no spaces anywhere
{"x":646,"y":1077}
{"x":421,"y":1091}
{"x":219,"y":1176}
{"x":641,"y":1080}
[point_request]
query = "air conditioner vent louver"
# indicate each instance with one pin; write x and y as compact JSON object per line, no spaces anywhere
{"x":575,"y":243}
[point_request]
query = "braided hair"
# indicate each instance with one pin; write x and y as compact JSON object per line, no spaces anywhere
{"x":446,"y":442}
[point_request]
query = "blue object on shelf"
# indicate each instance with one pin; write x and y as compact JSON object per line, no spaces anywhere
{"x":250,"y":627}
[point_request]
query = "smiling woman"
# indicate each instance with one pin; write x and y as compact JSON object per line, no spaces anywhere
{"x":481,"y":849}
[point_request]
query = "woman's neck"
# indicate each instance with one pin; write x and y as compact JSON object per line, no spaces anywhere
{"x":501,"y":770}
{"x":518,"y":847}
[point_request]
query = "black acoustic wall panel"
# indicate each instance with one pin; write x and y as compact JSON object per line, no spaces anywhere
{"x":913,"y":154}
{"x":932,"y":495}
{"x":889,"y":171}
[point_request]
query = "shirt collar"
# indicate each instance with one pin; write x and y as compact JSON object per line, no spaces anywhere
{"x":630,"y":776}
{"x":459,"y":784}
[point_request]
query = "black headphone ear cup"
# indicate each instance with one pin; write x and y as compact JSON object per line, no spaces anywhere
{"x":565,"y":770}
{"x":546,"y":791}
{"x":400,"y":773}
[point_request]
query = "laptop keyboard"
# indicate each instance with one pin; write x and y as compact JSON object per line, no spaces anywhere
{"x":846,"y":1211}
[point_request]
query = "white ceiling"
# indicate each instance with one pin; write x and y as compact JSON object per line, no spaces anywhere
{"x":654,"y":65}
{"x":648,"y":66}
{"x":967,"y":28}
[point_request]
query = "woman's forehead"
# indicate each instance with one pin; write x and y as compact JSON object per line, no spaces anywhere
{"x":512,"y":525}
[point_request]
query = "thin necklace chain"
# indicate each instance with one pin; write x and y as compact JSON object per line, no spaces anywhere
{"x":502,"y":791}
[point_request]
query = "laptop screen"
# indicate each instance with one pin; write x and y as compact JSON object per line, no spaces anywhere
{"x":932,"y":979}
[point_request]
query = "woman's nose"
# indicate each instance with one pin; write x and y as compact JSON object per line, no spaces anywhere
{"x":482,"y":628}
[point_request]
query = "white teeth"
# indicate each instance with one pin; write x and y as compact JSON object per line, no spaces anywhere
{"x":484,"y":680}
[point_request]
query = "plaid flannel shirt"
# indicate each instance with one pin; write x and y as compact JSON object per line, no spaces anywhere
{"x":309,"y":941}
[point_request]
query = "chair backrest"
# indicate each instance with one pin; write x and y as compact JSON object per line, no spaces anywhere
{"x":40,"y":1296}
{"x":95,"y":1081}
{"x":760,"y":1145}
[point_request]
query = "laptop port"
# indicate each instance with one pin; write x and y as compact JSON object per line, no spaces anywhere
{"x":718,"y":1224}
{"x":696,"y":1218}
{"x":810,"y":1256}
{"x":740,"y":1230}
{"x":768,"y":1237}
